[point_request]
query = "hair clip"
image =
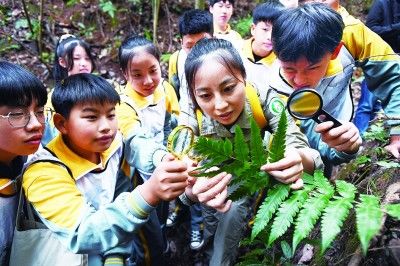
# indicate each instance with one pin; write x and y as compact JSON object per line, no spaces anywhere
{"x":66,"y":36}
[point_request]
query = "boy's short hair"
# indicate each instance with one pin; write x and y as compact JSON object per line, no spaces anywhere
{"x":213,"y":2}
{"x":308,"y":31}
{"x":195,"y":21}
{"x":267,"y":12}
{"x":19,"y":87}
{"x":82,"y":88}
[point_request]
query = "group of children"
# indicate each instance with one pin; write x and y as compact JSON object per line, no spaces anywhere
{"x":102,"y":187}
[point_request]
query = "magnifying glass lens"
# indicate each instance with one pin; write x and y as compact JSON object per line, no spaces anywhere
{"x":304,"y":104}
{"x":180,"y":141}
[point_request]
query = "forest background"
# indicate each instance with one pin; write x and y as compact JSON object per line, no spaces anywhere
{"x":29,"y":29}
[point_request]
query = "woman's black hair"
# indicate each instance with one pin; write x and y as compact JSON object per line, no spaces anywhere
{"x":82,"y":88}
{"x":19,"y":87}
{"x":65,"y":49}
{"x":130,"y":47}
{"x":222,"y":51}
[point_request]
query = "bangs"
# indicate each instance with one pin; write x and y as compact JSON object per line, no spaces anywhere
{"x":18,"y":87}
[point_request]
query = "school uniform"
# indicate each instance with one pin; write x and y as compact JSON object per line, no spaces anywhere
{"x":86,"y":205}
{"x":154,"y":113}
{"x":8,"y":205}
{"x":228,"y":34}
{"x":257,"y":72}
{"x":382,"y":72}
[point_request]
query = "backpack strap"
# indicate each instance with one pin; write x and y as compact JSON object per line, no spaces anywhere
{"x":255,"y":106}
{"x":26,"y":218}
{"x":173,"y":75}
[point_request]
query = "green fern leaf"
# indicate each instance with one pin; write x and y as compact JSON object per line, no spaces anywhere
{"x":309,"y":215}
{"x":278,"y":144}
{"x":274,"y":197}
{"x":257,"y":151}
{"x":368,"y":217}
{"x":322,"y":183}
{"x":333,"y":217}
{"x":308,"y":179}
{"x":285,"y":214}
{"x":215,"y":151}
{"x":241,"y":151}
{"x":228,"y":147}
{"x":345,"y":189}
{"x":393,"y":210}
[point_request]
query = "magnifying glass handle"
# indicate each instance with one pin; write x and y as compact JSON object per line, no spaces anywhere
{"x":323,"y":116}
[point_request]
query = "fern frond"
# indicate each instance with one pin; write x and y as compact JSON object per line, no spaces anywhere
{"x":285,"y":214}
{"x":308,"y":216}
{"x":274,"y":197}
{"x":345,"y":189}
{"x":368,"y":217}
{"x":393,"y":210}
{"x":322,"y":183}
{"x":215,"y":151}
{"x":257,"y":151}
{"x":241,"y":150}
{"x":308,"y":179}
{"x":278,"y":143}
{"x":332,"y":219}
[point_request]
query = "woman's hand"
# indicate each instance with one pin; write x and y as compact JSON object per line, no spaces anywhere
{"x":287,"y":170}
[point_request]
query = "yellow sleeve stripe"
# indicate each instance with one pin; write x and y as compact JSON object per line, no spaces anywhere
{"x":53,"y":193}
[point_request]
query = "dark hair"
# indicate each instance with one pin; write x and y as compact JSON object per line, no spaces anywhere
{"x":224,"y":53}
{"x":131,"y":46}
{"x":195,"y":21}
{"x":19,"y":87}
{"x":65,"y":49}
{"x":213,"y":2}
{"x":310,"y":30}
{"x":82,"y":88}
{"x":267,"y":12}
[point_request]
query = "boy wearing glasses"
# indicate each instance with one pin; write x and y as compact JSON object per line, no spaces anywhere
{"x":22,"y":98}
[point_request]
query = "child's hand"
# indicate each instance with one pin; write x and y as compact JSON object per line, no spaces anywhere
{"x":212,"y":191}
{"x":167,"y":181}
{"x":287,"y":170}
{"x":345,"y":138}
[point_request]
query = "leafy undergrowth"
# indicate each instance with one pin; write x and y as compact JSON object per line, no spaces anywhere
{"x":320,"y":213}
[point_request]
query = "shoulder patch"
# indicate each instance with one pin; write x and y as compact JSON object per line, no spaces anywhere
{"x":276,"y":106}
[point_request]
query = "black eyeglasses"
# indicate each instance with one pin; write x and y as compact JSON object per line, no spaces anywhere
{"x":20,"y":118}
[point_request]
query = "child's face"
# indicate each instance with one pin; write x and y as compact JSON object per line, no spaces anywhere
{"x":90,"y":129}
{"x":144,"y":73}
{"x":222,"y":12}
{"x":262,"y":44}
{"x":20,"y":139}
{"x":302,"y":73}
{"x":218,"y":92}
{"x":189,"y":40}
{"x":82,"y":63}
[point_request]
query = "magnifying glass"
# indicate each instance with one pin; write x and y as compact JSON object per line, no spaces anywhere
{"x":180,"y":141}
{"x":307,"y":103}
